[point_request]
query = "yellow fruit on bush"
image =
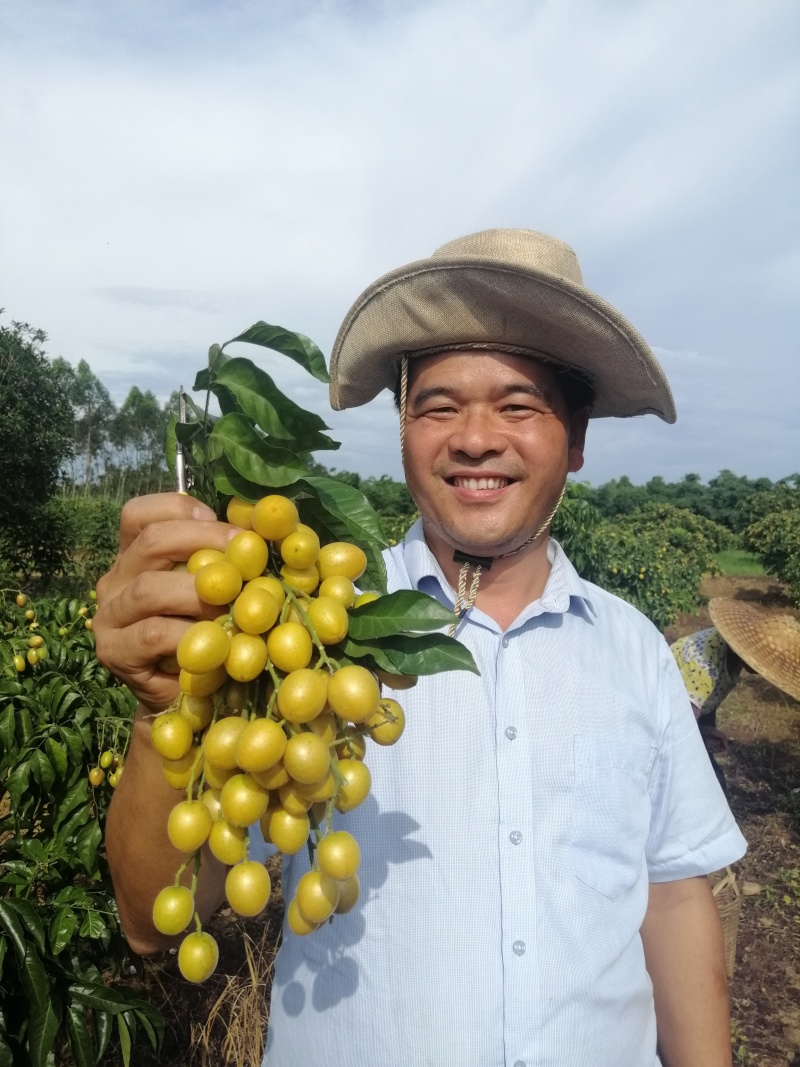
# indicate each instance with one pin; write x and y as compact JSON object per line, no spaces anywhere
{"x":173,"y":909}
{"x":239,"y":513}
{"x":271,"y":584}
{"x":21,"y":600}
{"x":342,"y":558}
{"x":338,"y":588}
{"x":216,"y":777}
{"x":247,"y":887}
{"x":396,"y":681}
{"x":19,"y":663}
{"x":242,"y":800}
{"x":219,"y":742}
{"x":338,"y":855}
{"x":260,"y":745}
{"x":210,"y":798}
{"x":256,"y":610}
{"x":289,"y":646}
{"x":273,"y":778}
{"x":352,"y":746}
{"x":218,"y":583}
{"x":353,"y":693}
{"x":317,"y":895}
{"x":197,"y":711}
{"x":293,"y":801}
{"x":307,"y":758}
{"x":365,"y":598}
{"x":274,"y":517}
{"x":349,"y":892}
{"x":179,"y":772}
{"x":96,"y":777}
{"x":302,"y":695}
{"x":306,"y":579}
{"x":300,"y":548}
{"x":248,"y":553}
{"x":198,"y":956}
{"x":202,"y":557}
{"x":329,"y":618}
{"x":297,"y":924}
{"x":247,"y":657}
{"x":386,"y":725}
{"x":324,"y":726}
{"x":318,"y":791}
{"x":32,"y":656}
{"x":288,"y":833}
{"x":171,"y":735}
{"x":226,"y":842}
{"x":203,"y":684}
{"x":203,"y":648}
{"x":188,"y":825}
{"x":356,"y":786}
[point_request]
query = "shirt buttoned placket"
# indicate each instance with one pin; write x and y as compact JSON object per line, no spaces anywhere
{"x":515,"y":850}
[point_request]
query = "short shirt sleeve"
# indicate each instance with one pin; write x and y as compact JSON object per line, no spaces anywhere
{"x":692,"y":830}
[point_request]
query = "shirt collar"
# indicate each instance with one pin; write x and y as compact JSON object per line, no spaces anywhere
{"x":563,"y":582}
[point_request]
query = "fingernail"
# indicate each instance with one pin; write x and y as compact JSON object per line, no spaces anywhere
{"x":204,"y":514}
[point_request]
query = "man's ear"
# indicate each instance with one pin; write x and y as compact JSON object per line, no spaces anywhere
{"x":578,"y":423}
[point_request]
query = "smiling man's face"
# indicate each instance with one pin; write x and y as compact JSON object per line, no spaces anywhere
{"x":488,"y":445}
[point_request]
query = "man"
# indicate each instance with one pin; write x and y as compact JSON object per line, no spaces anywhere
{"x":534,"y":850}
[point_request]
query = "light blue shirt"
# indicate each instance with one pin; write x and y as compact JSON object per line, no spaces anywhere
{"x":507,"y":847}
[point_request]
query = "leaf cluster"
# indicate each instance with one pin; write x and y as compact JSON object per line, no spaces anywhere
{"x":60,"y":937}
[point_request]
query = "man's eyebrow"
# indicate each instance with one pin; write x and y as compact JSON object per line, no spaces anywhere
{"x":450,"y":392}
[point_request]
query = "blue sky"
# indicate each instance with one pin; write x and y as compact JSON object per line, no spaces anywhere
{"x":173,"y":172}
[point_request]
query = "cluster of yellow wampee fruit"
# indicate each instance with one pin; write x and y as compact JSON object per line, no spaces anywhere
{"x":268,"y":727}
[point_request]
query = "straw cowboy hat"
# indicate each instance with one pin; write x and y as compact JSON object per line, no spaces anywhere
{"x":768,"y":644}
{"x":515,"y":289}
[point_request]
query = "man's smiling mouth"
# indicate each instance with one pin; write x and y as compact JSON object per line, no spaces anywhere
{"x":479,"y":483}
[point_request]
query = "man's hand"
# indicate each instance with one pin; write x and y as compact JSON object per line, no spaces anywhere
{"x":144,"y":607}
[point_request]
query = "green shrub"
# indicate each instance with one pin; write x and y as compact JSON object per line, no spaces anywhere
{"x":60,"y":939}
{"x":775,"y":538}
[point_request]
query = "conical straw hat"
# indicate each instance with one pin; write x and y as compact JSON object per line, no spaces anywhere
{"x":769,"y":644}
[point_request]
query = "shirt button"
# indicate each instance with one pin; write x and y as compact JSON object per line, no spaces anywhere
{"x":505,"y":642}
{"x":515,"y":837}
{"x":519,"y":948}
{"x":511,"y":733}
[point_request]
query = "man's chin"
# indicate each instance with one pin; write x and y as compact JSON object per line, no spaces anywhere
{"x":484,"y":547}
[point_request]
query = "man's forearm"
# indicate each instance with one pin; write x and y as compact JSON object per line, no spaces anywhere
{"x":682,"y":939}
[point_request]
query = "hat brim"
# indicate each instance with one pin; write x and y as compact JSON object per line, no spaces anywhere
{"x":467,"y":300}
{"x":769,"y":644}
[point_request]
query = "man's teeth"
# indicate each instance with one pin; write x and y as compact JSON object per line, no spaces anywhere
{"x":481,"y":483}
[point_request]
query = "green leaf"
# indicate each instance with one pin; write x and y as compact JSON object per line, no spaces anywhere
{"x":30,"y":917}
{"x":260,"y":400}
{"x":124,"y":1040}
{"x":93,"y":925}
{"x":396,"y":613}
{"x":80,"y":1040}
{"x":86,"y":845}
{"x":423,"y":654}
{"x":58,"y":756}
{"x":76,"y":795}
{"x":104,"y":1022}
{"x":216,"y":360}
{"x":42,"y":769}
{"x":45,"y":1008}
{"x":7,"y":736}
{"x":62,"y":926}
{"x":294,"y":345}
{"x":251,"y":455}
{"x":10,"y":922}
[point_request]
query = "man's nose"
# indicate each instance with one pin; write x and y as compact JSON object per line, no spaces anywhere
{"x":476,"y":434}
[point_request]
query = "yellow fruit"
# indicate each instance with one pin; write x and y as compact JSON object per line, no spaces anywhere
{"x":226,"y":842}
{"x":387,"y":723}
{"x":234,"y":698}
{"x":239,"y":513}
{"x":352,"y":746}
{"x":289,"y":647}
{"x":349,"y":892}
{"x":297,"y":924}
{"x":106,"y":759}
{"x":318,"y":791}
{"x":218,"y":583}
{"x":273,"y":778}
{"x":197,"y":711}
{"x":292,"y":801}
{"x":306,"y":579}
{"x":247,"y":657}
{"x":339,"y":588}
{"x":329,"y":618}
{"x":287,"y":832}
{"x":179,"y":772}
{"x":188,"y":825}
{"x":357,"y":782}
{"x":210,"y":798}
{"x":365,"y":598}
{"x":324,"y":726}
{"x":21,"y":600}
{"x":219,"y":742}
{"x":338,"y":855}
{"x":260,"y":745}
{"x":307,"y":758}
{"x":216,"y":777}
{"x":203,"y":684}
{"x":274,"y":517}
{"x":300,"y":548}
{"x":36,"y":641}
{"x":302,"y":695}
{"x":247,"y":887}
{"x":256,"y":610}
{"x":396,"y":681}
{"x":341,"y":558}
{"x":203,"y":648}
{"x":242,"y":800}
{"x":353,"y":693}
{"x":202,"y":557}
{"x":173,"y":909}
{"x":96,"y":777}
{"x":317,"y":895}
{"x":271,"y":584}
{"x":171,"y":735}
{"x":248,"y":553}
{"x":198,"y":956}
{"x":32,"y":657}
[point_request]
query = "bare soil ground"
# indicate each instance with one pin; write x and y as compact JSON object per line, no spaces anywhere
{"x":222,"y":1022}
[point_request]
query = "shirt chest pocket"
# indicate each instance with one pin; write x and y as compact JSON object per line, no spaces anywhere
{"x":611,"y":812}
